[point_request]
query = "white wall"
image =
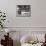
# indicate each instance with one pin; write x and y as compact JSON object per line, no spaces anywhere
{"x":37,"y":19}
{"x":38,"y":13}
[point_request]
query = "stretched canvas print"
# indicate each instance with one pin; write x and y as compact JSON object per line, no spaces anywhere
{"x":23,"y":11}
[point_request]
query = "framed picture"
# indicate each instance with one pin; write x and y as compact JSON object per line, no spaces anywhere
{"x":23,"y":11}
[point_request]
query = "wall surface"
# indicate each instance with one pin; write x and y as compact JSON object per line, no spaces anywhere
{"x":38,"y":13}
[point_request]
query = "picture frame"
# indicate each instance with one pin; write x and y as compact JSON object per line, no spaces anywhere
{"x":23,"y":11}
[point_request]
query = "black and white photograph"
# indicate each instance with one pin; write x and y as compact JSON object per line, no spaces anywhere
{"x":23,"y":11}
